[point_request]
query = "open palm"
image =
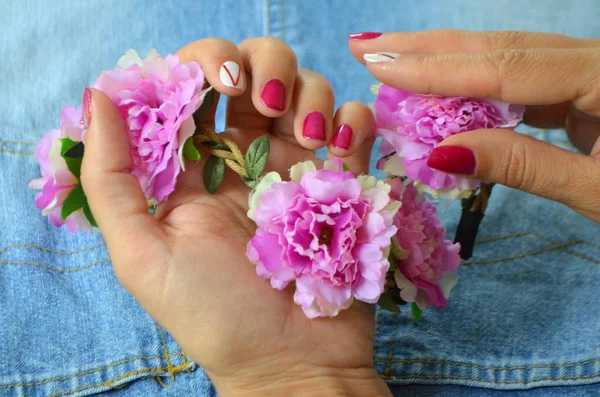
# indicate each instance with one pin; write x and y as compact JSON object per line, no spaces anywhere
{"x":187,"y":266}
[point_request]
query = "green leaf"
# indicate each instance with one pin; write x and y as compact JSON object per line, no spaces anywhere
{"x":215,"y":145}
{"x":345,"y":167}
{"x":207,"y":102}
{"x":214,"y":173}
{"x":257,"y":156}
{"x":416,"y":312}
{"x":88,"y":214}
{"x":74,"y":201}
{"x":386,"y":303}
{"x":395,"y":296}
{"x":76,"y":151}
{"x":393,"y":265}
{"x":74,"y":164}
{"x":250,"y":182}
{"x":189,"y":150}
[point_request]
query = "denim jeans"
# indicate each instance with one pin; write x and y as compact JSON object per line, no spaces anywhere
{"x":525,"y":316}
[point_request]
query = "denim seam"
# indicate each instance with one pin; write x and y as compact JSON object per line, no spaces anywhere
{"x":87,"y":266}
{"x":6,"y":248}
{"x":560,"y":246}
{"x":376,"y":333}
{"x":507,"y":382}
{"x":27,"y":143}
{"x":16,"y":152}
{"x":165,"y":349}
{"x":84,"y":372}
{"x":393,"y":346}
{"x":109,"y":384}
{"x":459,"y":364}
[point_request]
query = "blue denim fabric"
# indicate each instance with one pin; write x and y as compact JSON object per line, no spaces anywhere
{"x":525,"y":315}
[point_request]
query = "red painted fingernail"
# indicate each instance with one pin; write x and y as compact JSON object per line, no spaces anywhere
{"x":342,"y":137}
{"x":364,"y":35}
{"x":87,"y":107}
{"x":314,"y":126}
{"x":452,"y":159}
{"x":273,"y":95}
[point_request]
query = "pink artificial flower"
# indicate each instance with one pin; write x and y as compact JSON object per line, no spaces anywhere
{"x":157,"y":98}
{"x":57,"y":181}
{"x":425,"y":260}
{"x":328,"y":231}
{"x":413,"y":124}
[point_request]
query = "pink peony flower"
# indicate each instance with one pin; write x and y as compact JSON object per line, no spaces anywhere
{"x":326,"y":230}
{"x":425,"y":260}
{"x":413,"y":124}
{"x":57,"y":181}
{"x":157,"y":98}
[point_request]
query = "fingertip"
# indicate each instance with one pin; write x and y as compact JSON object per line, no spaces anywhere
{"x":354,"y":127}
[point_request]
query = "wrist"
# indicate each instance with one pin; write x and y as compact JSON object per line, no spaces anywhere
{"x":304,"y":381}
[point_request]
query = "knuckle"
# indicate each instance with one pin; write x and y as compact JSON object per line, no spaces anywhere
{"x":587,"y":76}
{"x":517,"y":167}
{"x":316,"y":81}
{"x":505,"y":65}
{"x":508,"y":39}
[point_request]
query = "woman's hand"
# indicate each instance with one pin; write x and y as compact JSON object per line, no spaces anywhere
{"x":187,"y":265}
{"x":557,"y":76}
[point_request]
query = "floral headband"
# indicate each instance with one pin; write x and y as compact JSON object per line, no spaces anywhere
{"x":333,"y":236}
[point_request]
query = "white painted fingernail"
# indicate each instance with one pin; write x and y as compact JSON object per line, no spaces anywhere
{"x":381,"y":57}
{"x":231,"y":76}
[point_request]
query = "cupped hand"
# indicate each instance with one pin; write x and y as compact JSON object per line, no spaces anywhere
{"x":558,"y":77}
{"x":187,"y":265}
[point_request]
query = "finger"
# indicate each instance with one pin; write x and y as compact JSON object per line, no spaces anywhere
{"x":521,"y":162}
{"x":221,"y":62}
{"x":354,"y":126}
{"x":360,"y":119}
{"x":113,"y":193}
{"x":309,"y":120}
{"x":271,"y":66}
{"x":528,"y":77}
{"x":443,"y":41}
{"x":583,"y":130}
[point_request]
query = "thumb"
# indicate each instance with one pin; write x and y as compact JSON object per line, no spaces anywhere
{"x":113,"y":193}
{"x":522,"y":162}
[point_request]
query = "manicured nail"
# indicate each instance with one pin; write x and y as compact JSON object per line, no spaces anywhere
{"x":364,"y":35}
{"x":342,"y":137}
{"x":273,"y":95}
{"x":87,"y":107}
{"x":452,"y":159}
{"x":381,"y":57}
{"x":314,"y":126}
{"x":231,"y":75}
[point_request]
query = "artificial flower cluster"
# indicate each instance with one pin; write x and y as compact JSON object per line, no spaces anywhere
{"x":157,"y":97}
{"x":341,"y":237}
{"x":333,"y":236}
{"x":412,"y":125}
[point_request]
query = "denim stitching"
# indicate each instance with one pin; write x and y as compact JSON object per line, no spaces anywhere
{"x":6,"y":248}
{"x":16,"y":152}
{"x":376,"y":333}
{"x":28,"y":143}
{"x":99,"y":262}
{"x":511,"y":382}
{"x":282,"y":19}
{"x":165,"y":350}
{"x":109,"y":383}
{"x":459,"y":364}
{"x":393,"y":346}
{"x":560,"y":246}
{"x":84,"y":372}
